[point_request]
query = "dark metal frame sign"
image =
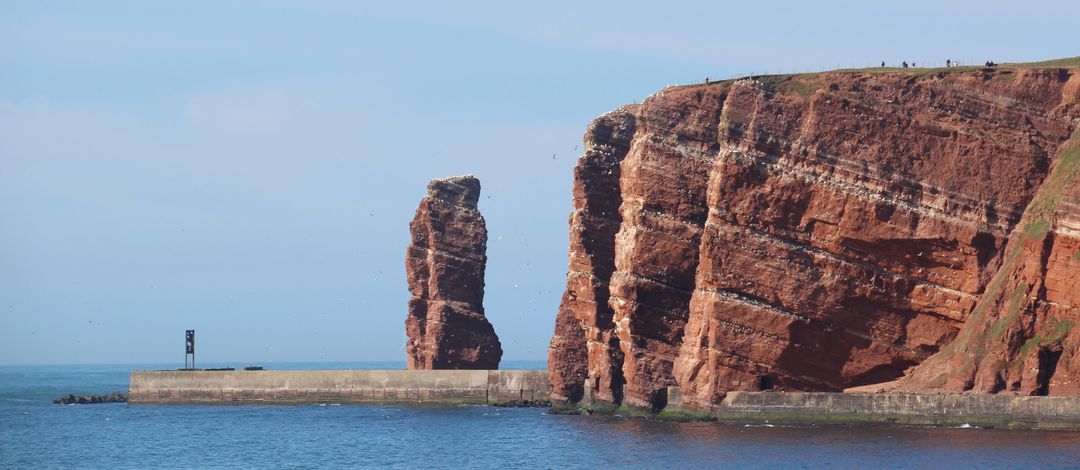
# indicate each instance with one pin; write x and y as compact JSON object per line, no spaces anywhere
{"x":189,"y":348}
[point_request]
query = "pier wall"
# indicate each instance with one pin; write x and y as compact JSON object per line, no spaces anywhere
{"x":530,"y":388}
{"x":494,"y":387}
{"x":1002,"y":411}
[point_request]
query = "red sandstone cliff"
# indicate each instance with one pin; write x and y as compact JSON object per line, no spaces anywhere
{"x":445,"y":264}
{"x":827,"y":231}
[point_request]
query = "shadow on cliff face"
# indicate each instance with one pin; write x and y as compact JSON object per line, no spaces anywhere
{"x":1048,"y":362}
{"x":838,"y":354}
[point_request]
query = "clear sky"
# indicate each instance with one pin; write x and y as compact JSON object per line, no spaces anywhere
{"x":249,"y":168}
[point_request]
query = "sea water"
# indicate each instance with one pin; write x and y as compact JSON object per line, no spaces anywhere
{"x":37,"y":434}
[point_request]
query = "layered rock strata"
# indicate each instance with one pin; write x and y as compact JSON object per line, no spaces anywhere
{"x":585,"y":345}
{"x":1021,"y":336}
{"x":444,"y":264}
{"x":826,"y":231}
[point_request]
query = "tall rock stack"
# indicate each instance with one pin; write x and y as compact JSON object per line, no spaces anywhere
{"x":444,"y":265}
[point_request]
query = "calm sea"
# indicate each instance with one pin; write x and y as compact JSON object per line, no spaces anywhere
{"x":36,"y":434}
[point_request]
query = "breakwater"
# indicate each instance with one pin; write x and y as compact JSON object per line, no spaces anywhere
{"x":483,"y":387}
{"x":999,"y":411}
{"x":530,"y":388}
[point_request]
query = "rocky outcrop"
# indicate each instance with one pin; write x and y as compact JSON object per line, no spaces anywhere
{"x":1020,"y":337}
{"x":585,"y":348}
{"x":826,"y":231}
{"x":114,"y":397}
{"x":445,"y":264}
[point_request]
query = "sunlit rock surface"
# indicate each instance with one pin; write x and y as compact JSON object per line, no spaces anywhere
{"x":445,"y":264}
{"x":919,"y":230}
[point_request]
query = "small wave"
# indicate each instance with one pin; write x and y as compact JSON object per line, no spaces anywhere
{"x":966,"y":426}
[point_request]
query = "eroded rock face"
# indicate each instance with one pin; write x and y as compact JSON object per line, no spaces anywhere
{"x":1021,"y":337}
{"x":445,"y":264}
{"x":585,"y":356}
{"x":822,"y":232}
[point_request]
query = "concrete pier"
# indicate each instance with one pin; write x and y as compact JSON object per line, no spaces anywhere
{"x":530,"y":388}
{"x":999,"y":411}
{"x":490,"y":387}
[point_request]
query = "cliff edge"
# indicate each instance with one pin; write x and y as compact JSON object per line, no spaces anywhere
{"x":916,"y":229}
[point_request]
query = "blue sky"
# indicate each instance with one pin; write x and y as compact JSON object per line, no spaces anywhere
{"x":249,"y":168}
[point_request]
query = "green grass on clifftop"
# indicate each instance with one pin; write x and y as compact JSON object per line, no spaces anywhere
{"x":1067,"y":62}
{"x":804,"y":87}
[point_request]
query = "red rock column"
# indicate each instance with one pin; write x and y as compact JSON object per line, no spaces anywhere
{"x":444,"y":265}
{"x":663,"y":211}
{"x":584,"y":355}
